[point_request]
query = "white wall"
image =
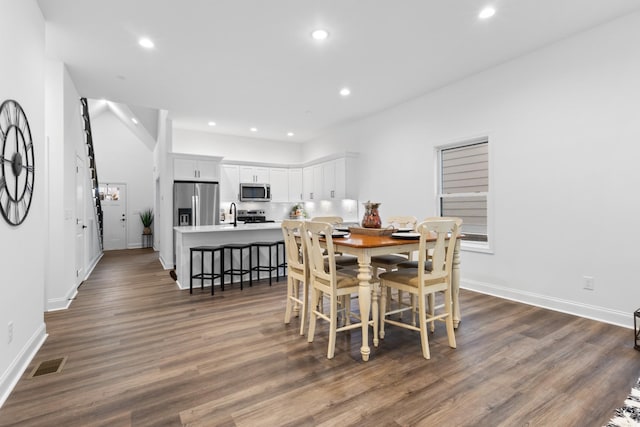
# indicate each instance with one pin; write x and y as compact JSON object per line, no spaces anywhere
{"x":163,"y":173}
{"x":564,"y":132}
{"x":233,"y":148}
{"x":22,"y":248}
{"x":122,"y":158}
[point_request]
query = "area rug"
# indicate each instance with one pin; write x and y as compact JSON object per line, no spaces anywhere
{"x":629,"y":414}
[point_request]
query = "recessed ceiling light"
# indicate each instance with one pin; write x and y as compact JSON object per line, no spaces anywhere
{"x":253,"y":130}
{"x":345,"y":91}
{"x":146,"y":43}
{"x":134,"y":120}
{"x":320,"y":34}
{"x":211,"y":123}
{"x":487,"y":12}
{"x":290,"y":134}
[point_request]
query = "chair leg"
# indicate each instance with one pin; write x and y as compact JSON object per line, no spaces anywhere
{"x":424,"y":336}
{"x":432,"y":309}
{"x":333,"y":325}
{"x":290,"y":293}
{"x":448,"y":306}
{"x":383,"y":309}
{"x":304,"y":306}
{"x":312,"y":315}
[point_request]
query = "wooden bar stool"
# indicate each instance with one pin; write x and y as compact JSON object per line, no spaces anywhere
{"x":239,"y":248}
{"x":271,"y":266}
{"x":203,"y":275}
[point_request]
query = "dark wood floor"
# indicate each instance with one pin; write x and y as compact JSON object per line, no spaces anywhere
{"x":143,"y":353}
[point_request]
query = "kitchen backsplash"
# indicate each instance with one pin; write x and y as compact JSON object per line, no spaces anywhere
{"x":347,"y":209}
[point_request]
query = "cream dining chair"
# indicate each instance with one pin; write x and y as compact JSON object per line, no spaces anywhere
{"x":423,"y":283}
{"x":327,"y":281}
{"x":390,"y":262}
{"x":298,"y":272}
{"x":341,"y":260}
{"x":427,"y":264}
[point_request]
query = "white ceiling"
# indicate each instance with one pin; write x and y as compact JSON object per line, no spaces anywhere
{"x":244,"y":63}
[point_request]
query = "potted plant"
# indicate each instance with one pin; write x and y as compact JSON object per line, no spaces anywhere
{"x":146,"y":216}
{"x":297,"y":211}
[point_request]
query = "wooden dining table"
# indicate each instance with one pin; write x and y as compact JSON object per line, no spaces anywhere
{"x":365,"y":246}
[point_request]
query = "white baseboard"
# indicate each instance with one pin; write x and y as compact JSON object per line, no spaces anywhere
{"x":56,"y":304}
{"x":593,"y":312}
{"x":93,"y":264}
{"x":165,"y":265}
{"x":10,"y":377}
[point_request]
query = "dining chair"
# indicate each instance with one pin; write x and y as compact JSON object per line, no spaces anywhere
{"x":390,"y":262}
{"x":327,"y":281}
{"x":298,"y":272}
{"x":427,"y":263}
{"x":423,"y":283}
{"x":341,"y":260}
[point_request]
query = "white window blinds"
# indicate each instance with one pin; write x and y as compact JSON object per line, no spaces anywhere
{"x":464,"y":187}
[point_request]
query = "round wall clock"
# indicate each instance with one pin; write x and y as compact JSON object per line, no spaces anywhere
{"x":16,"y":163}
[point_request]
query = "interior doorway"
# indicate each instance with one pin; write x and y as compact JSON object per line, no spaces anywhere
{"x":113,"y":198}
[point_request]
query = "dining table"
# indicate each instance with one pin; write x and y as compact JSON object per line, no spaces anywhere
{"x":364,"y":246}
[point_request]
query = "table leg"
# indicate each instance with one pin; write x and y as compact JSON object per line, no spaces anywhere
{"x":364,"y":300}
{"x":455,"y":284}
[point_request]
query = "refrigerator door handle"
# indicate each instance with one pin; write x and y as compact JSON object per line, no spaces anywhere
{"x":194,"y":210}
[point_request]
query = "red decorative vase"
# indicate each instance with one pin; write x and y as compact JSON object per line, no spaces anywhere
{"x":371,"y":217}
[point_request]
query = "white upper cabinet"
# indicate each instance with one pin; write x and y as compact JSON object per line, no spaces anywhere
{"x":196,"y":168}
{"x":254,"y":174}
{"x":229,"y":183}
{"x":331,"y":180}
{"x":279,"y":180}
{"x":295,"y":185}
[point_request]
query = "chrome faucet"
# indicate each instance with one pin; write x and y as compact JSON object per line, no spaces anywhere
{"x":233,"y":208}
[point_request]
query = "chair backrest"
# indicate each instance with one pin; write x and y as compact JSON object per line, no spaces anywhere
{"x":446,"y":218}
{"x":333,"y":220}
{"x":296,"y":256}
{"x":321,"y":268}
{"x":402,"y":221}
{"x":446,"y":232}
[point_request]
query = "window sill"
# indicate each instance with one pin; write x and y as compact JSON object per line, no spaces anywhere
{"x":481,"y":247}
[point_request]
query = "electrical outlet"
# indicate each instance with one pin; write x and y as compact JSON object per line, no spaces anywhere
{"x":588,"y":283}
{"x":10,"y":332}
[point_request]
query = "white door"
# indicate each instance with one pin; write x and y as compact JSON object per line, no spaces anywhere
{"x":114,"y":206}
{"x":80,"y":220}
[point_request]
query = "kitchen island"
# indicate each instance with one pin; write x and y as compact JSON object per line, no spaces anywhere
{"x":187,"y":237}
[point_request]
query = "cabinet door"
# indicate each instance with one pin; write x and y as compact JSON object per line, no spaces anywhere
{"x":247,"y":174}
{"x":318,"y":192}
{"x":208,"y":170}
{"x":295,"y":185}
{"x":279,"y":184}
{"x":307,"y":183}
{"x":329,"y":180}
{"x":229,"y":183}
{"x":262,"y":175}
{"x":340,"y":179}
{"x":184,"y":169}
{"x":254,"y":174}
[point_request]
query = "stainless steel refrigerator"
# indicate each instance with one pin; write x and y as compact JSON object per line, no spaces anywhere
{"x":195,"y":203}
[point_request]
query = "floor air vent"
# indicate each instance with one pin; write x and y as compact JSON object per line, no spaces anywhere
{"x":52,"y":366}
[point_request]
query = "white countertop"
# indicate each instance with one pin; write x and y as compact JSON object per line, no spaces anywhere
{"x":228,"y":227}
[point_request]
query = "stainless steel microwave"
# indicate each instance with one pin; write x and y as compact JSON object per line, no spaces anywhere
{"x":252,"y":192}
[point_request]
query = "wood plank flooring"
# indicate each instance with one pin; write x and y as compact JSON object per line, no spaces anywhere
{"x":141,"y":352}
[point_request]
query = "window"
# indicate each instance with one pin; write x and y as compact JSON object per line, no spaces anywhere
{"x":464,"y":186}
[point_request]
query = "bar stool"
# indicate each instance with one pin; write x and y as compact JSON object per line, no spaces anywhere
{"x":206,"y":276}
{"x":240,"y":270}
{"x":283,"y":264}
{"x":268,"y":268}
